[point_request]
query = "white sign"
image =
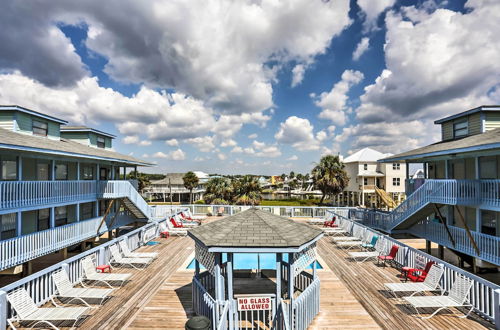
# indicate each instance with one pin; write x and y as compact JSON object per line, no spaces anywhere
{"x":254,"y":303}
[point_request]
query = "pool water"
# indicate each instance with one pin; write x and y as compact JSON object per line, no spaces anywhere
{"x":251,"y":261}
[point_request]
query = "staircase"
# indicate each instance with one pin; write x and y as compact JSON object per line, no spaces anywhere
{"x":128,"y":195}
{"x":385,"y":197}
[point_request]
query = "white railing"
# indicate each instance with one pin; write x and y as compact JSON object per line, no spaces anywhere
{"x":20,"y":194}
{"x":40,"y":285}
{"x":18,"y":250}
{"x":124,"y":189}
{"x":488,"y":246}
{"x":203,"y":303}
{"x":484,"y":295}
{"x":477,"y":193}
{"x":306,"y":306}
{"x":159,"y":211}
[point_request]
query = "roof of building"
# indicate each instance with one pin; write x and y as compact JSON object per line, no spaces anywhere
{"x":371,"y":173}
{"x":31,"y":112}
{"x":255,"y":228}
{"x":469,"y":112}
{"x":365,"y":155}
{"x":478,"y":142}
{"x":85,"y":129}
{"x":175,"y":178}
{"x":64,"y":147}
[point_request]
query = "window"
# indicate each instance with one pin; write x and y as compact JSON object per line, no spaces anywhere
{"x":87,"y":172}
{"x":488,"y":167}
{"x":61,"y":216}
{"x":9,"y":169}
{"x":460,"y":129}
{"x":100,"y":142}
{"x":7,"y":226}
{"x":365,"y":167}
{"x":39,"y":128}
{"x":396,"y":181}
{"x":43,"y":171}
{"x":396,"y":166}
{"x":43,"y":219}
{"x":365,"y":181}
{"x":489,"y":222}
{"x":86,"y":211}
{"x":61,"y":172}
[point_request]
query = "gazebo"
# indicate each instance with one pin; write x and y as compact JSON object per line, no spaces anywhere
{"x":293,"y":300}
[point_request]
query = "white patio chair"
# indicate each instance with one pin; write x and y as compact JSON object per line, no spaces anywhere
{"x":90,"y":274}
{"x":344,"y":229}
{"x":457,"y":297}
{"x":66,"y":290}
{"x":357,"y":235}
{"x":117,"y":258}
{"x":430,"y":284}
{"x":189,"y":214}
{"x":129,"y":254}
{"x":28,"y":312}
{"x":174,"y":231}
{"x":185,"y":223}
{"x":367,"y":236}
{"x":363,"y":256}
{"x":319,"y":221}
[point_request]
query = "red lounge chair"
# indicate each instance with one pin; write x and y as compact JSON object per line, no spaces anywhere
{"x":175,"y":224}
{"x":419,"y":275}
{"x":390,"y":257}
{"x":330,"y":223}
{"x":188,"y":218}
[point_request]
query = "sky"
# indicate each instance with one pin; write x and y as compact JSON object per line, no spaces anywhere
{"x":262,"y":87}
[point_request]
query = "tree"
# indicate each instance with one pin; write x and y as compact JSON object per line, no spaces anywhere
{"x":292,"y":175}
{"x":283,"y":176}
{"x":142,"y":179}
{"x":191,"y":181}
{"x":329,"y":176}
{"x":247,"y":190}
{"x":218,"y":190}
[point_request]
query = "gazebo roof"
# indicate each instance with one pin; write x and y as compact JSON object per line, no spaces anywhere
{"x":255,"y":228}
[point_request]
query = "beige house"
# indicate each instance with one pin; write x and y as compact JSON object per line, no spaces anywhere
{"x":373,"y":184}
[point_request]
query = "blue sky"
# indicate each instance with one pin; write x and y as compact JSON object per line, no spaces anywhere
{"x":252,"y":87}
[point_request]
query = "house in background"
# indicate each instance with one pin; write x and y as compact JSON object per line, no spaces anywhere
{"x":372,"y":184}
{"x":171,"y":188}
{"x":57,"y":185}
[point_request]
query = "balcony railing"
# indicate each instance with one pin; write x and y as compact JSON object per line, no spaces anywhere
{"x":477,"y":193}
{"x":21,"y":249}
{"x":19,"y":195}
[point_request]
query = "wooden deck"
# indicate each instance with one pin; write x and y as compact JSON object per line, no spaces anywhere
{"x":351,"y":297}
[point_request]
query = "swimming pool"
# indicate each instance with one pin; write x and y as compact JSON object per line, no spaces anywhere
{"x":252,"y":260}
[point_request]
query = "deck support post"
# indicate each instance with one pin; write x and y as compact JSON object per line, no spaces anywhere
{"x":3,"y":310}
{"x":496,"y":304}
{"x":428,"y":249}
{"x":279,"y":258}
{"x":218,"y":286}
{"x":101,"y":256}
{"x":19,"y":223}
{"x":196,"y":268}
{"x":291,"y":287}
{"x":229,"y":269}
{"x":440,"y":252}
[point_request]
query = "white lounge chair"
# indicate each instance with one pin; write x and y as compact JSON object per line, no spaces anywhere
{"x":430,"y":284}
{"x":117,"y":258}
{"x":367,"y":236}
{"x":184,"y":222}
{"x":457,"y":297}
{"x":188,"y":214}
{"x":320,"y":221}
{"x":357,"y":235}
{"x":344,"y":228}
{"x":28,"y":313}
{"x":129,"y":254}
{"x":172,"y":230}
{"x":90,"y":274}
{"x":66,"y":290}
{"x":362,"y":256}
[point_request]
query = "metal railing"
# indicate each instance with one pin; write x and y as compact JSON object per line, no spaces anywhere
{"x":18,"y":250}
{"x":158,"y":211}
{"x":40,"y":286}
{"x":203,"y":303}
{"x":124,"y":189}
{"x":478,"y":193}
{"x":306,"y":306}
{"x":484,"y":295}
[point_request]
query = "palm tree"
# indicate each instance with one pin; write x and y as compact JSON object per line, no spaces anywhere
{"x":247,"y":190}
{"x":218,"y":190}
{"x":329,"y":176}
{"x":191,"y":181}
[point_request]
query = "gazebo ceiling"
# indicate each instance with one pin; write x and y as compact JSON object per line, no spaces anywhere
{"x":254,"y":228}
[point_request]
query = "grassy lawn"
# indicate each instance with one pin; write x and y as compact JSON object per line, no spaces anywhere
{"x":291,"y":202}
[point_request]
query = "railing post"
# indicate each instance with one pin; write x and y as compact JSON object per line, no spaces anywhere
{"x":496,"y":305}
{"x":102,"y":256}
{"x":3,"y":310}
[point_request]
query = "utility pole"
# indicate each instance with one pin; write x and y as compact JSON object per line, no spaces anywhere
{"x":170,"y":188}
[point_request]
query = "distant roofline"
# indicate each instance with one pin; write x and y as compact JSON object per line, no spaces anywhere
{"x":31,"y":112}
{"x":86,"y":129}
{"x":469,"y":112}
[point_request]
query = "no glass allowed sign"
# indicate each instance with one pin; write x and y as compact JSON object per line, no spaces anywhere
{"x":254,"y":303}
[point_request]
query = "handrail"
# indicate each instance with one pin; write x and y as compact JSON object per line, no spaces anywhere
{"x":484,"y":295}
{"x":224,"y":316}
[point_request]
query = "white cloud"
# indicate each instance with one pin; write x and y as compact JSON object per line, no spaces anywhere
{"x":145,"y":143}
{"x":361,"y":48}
{"x":372,"y":10}
{"x":298,"y":132}
{"x":204,"y":144}
{"x":294,"y":157}
{"x":199,"y":159}
{"x":258,"y":145}
{"x":252,"y":136}
{"x":172,"y":142}
{"x":145,"y":156}
{"x":130,"y":139}
{"x":173,"y":155}
{"x":298,"y":74}
{"x":221,"y":156}
{"x":160,"y":154}
{"x":228,"y":143}
{"x":334,"y":103}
